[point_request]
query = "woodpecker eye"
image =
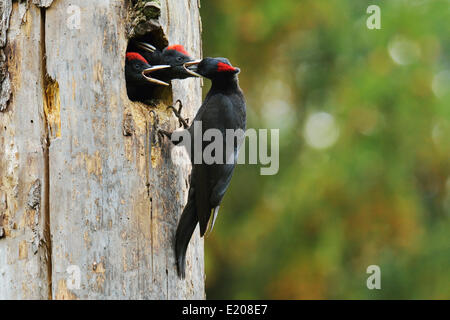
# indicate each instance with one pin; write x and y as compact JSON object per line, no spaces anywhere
{"x":179,"y":59}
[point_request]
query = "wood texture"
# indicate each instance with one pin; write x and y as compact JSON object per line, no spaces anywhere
{"x":5,"y":83}
{"x":87,"y":182}
{"x":23,"y":252}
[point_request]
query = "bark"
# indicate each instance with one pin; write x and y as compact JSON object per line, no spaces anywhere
{"x":85,"y":184}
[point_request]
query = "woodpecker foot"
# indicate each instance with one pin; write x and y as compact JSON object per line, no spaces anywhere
{"x":177,"y":113}
{"x":164,"y":133}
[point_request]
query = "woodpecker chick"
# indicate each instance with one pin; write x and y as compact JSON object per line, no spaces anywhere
{"x":176,"y":56}
{"x":137,"y":72}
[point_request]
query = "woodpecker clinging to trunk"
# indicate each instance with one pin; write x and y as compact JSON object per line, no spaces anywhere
{"x":223,"y":108}
{"x":166,"y":65}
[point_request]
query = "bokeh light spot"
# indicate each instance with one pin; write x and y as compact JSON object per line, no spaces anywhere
{"x":441,"y":84}
{"x":403,"y":51}
{"x":321,"y":130}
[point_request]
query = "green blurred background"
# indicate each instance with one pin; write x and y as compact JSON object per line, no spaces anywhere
{"x":364,"y":119}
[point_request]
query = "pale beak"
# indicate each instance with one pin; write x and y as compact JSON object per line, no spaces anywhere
{"x":145,"y":46}
{"x":153,"y":80}
{"x":191,"y":67}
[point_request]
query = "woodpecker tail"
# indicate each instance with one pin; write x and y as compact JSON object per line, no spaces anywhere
{"x":186,"y":227}
{"x":212,"y":221}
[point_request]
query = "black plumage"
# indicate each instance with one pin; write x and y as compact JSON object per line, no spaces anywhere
{"x":171,"y":62}
{"x":137,"y":81}
{"x":223,"y":108}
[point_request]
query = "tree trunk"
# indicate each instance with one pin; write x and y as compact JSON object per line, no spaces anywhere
{"x":89,"y":196}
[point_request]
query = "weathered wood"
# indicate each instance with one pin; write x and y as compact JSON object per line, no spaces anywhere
{"x":23,"y":251}
{"x":114,"y":191}
{"x":5,"y":83}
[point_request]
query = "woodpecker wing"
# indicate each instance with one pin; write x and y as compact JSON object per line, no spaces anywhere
{"x":211,"y":181}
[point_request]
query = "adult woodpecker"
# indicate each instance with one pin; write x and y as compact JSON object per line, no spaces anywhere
{"x":168,"y":64}
{"x":223,"y":108}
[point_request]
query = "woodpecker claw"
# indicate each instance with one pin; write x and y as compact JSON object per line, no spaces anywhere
{"x":164,"y":133}
{"x":177,"y":113}
{"x":145,"y":46}
{"x":153,"y":80}
{"x":191,"y":67}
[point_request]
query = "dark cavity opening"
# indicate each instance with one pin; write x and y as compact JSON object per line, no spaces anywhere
{"x":146,"y":92}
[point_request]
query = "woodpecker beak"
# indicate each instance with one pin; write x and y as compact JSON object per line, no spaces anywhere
{"x":153,"y":80}
{"x":191,"y":67}
{"x":145,"y":46}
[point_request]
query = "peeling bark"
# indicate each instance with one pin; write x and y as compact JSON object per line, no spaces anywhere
{"x":84,"y":181}
{"x":5,"y":83}
{"x":5,"y":12}
{"x":43,"y":3}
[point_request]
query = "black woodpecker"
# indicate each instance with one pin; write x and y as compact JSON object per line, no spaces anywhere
{"x":174,"y":56}
{"x":137,"y":70}
{"x":223,"y":108}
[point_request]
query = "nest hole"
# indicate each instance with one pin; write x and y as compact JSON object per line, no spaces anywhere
{"x":154,"y":94}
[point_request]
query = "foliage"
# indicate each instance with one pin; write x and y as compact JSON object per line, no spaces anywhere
{"x":379,"y":193}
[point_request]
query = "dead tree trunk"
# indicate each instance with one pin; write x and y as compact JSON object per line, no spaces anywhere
{"x":89,"y":197}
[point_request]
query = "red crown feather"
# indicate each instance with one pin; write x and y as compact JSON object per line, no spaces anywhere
{"x":179,"y":48}
{"x":135,"y":56}
{"x":223,"y":67}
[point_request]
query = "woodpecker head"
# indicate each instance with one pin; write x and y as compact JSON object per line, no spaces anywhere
{"x":137,"y":70}
{"x":214,"y":68}
{"x":175,"y":56}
